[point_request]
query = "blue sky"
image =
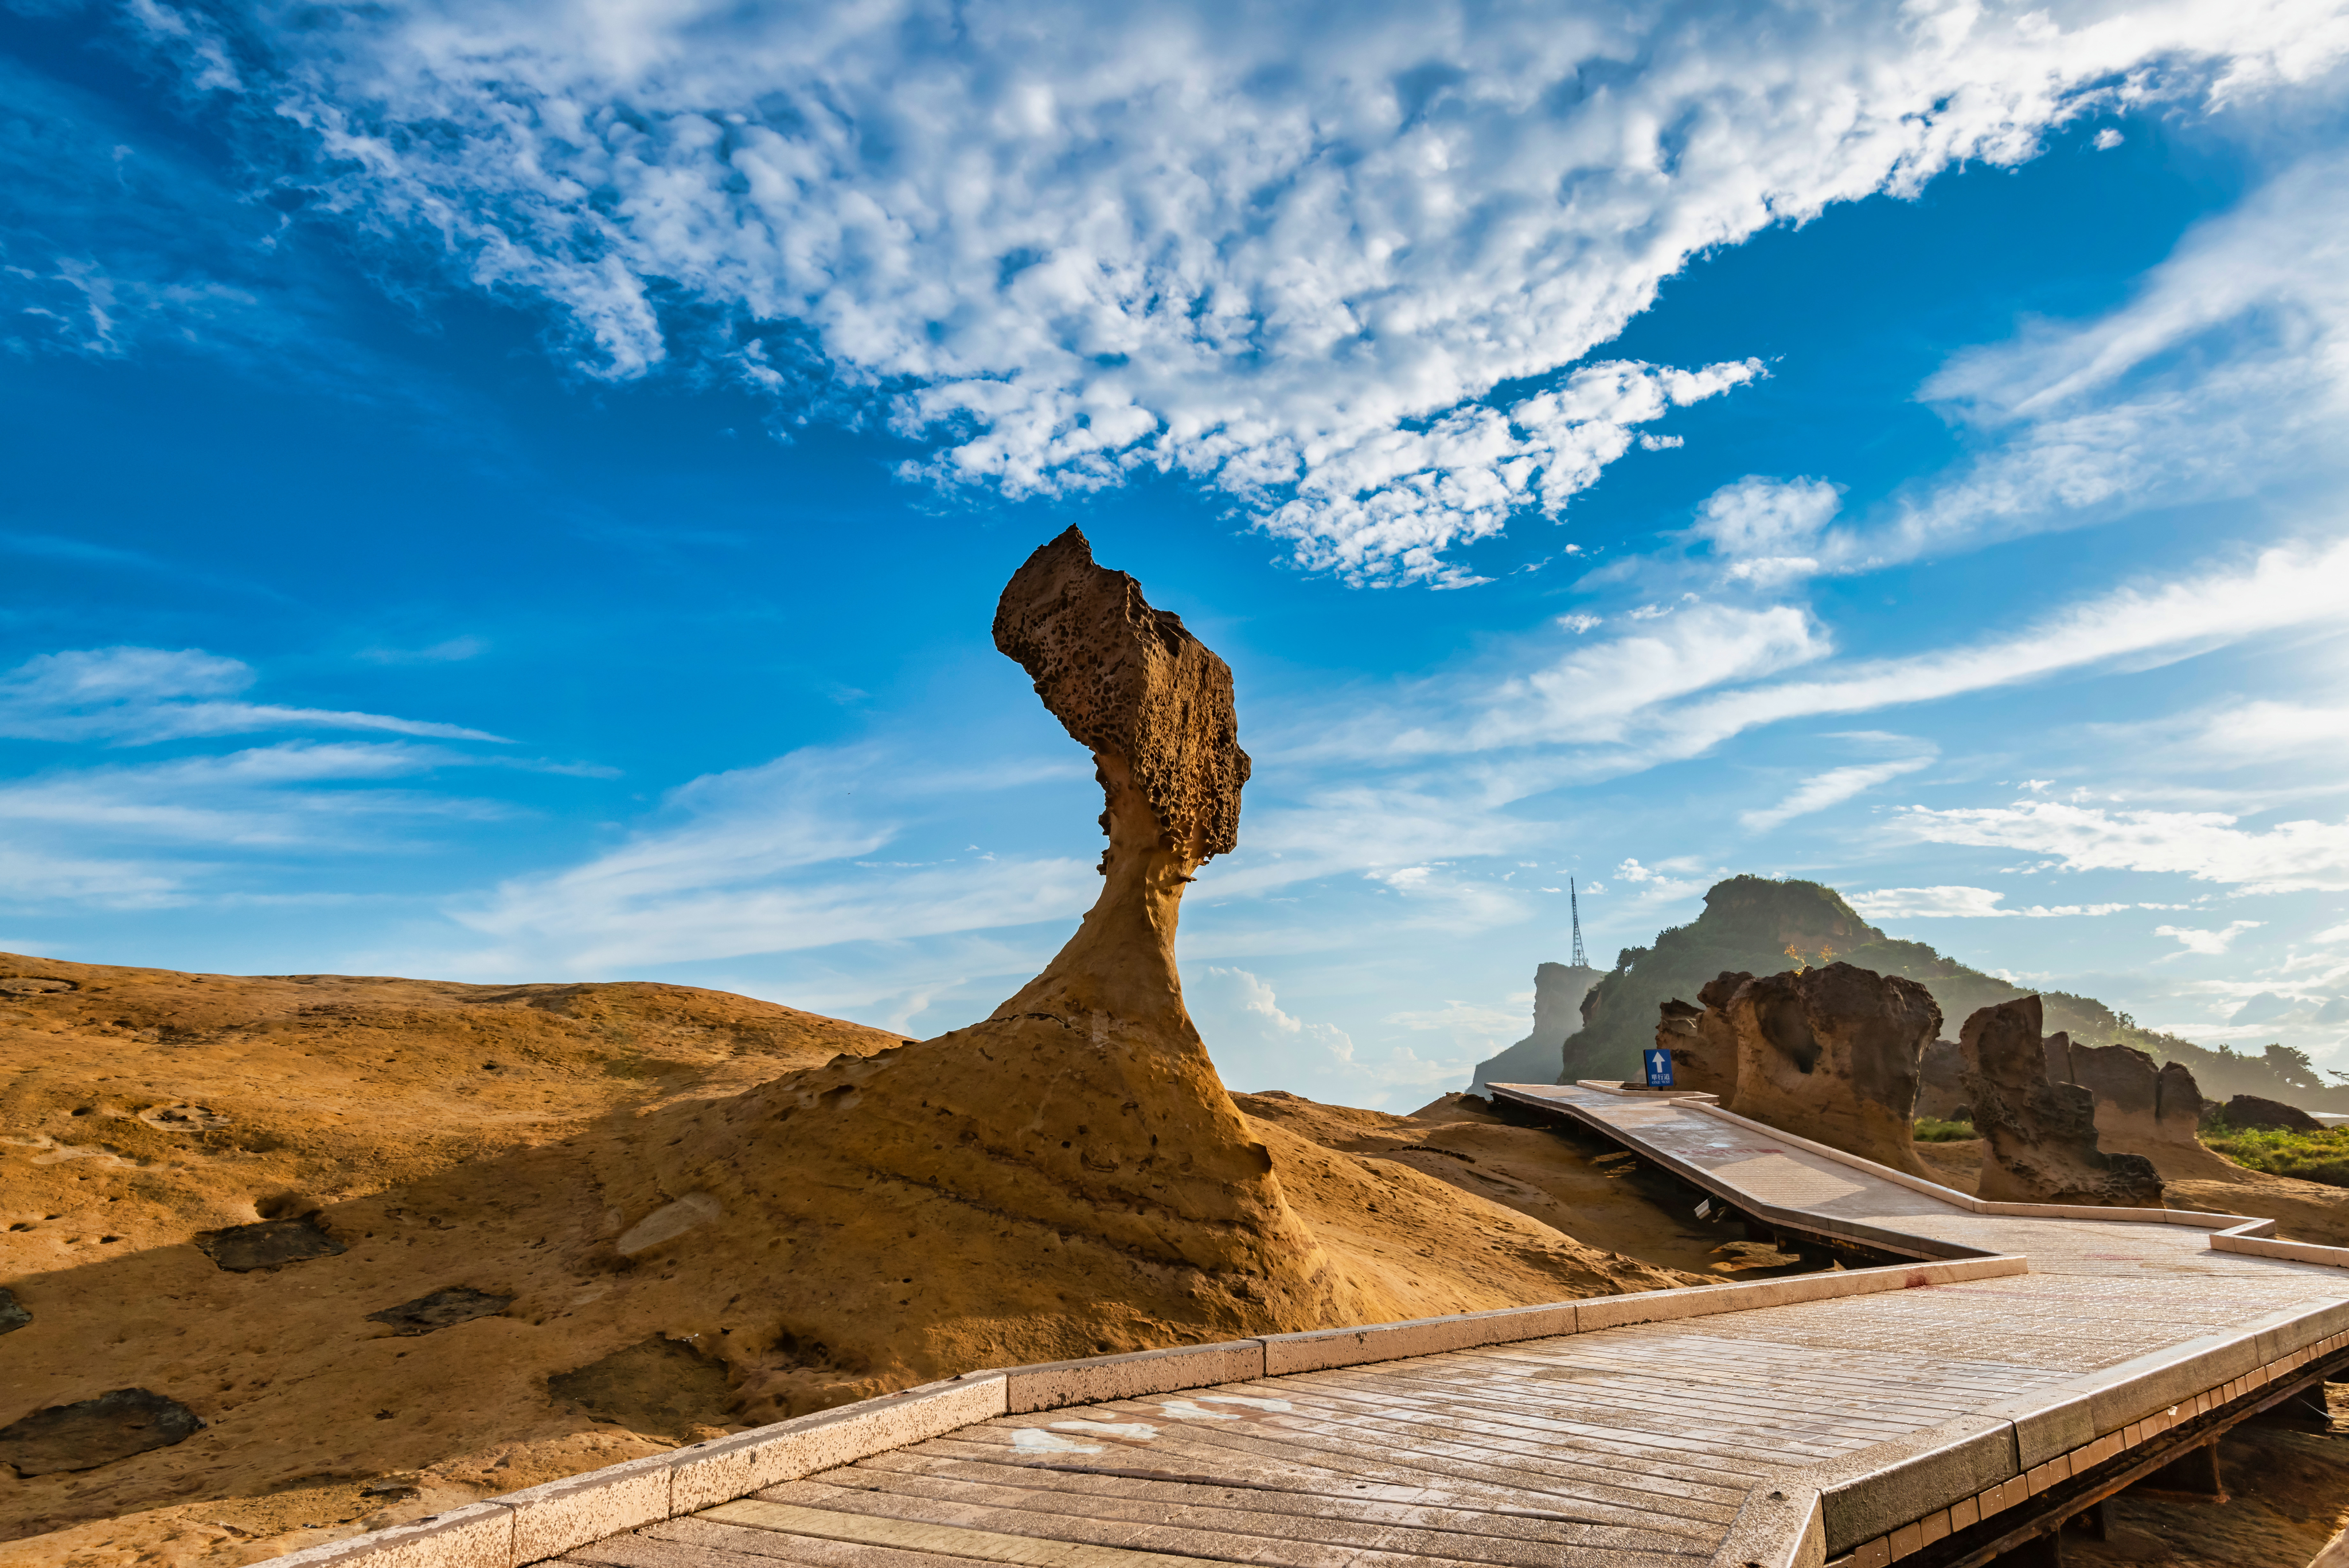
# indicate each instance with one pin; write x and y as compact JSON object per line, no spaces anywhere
{"x":517,"y":491}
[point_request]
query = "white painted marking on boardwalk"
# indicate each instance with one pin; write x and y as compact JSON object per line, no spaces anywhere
{"x":1132,"y":1431}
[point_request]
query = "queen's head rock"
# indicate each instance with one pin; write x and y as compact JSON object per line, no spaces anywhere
{"x":1080,"y":1127}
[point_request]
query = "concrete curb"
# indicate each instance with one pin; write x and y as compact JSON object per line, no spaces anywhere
{"x":1050,"y":1384}
{"x":1940,"y":1488}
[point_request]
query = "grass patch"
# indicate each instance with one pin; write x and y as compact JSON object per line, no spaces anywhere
{"x":2310,"y":1156}
{"x":1933,"y":1129}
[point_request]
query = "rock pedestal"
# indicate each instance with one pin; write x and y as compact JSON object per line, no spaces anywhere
{"x":1832,"y":1054}
{"x":2040,"y":1135}
{"x":2142,"y":1109}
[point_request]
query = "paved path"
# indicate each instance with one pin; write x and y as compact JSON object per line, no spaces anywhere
{"x":1699,"y":1440}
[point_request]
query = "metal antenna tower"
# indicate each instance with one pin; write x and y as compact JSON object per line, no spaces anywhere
{"x":1574,"y":902}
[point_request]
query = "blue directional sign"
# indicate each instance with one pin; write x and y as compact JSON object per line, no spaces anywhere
{"x":1659,"y":1068}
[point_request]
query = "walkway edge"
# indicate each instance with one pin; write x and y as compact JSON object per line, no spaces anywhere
{"x":544,"y":1521}
{"x":2229,"y":1232}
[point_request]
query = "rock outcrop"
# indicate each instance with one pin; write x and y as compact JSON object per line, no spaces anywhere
{"x":2142,"y":1107}
{"x":2251,"y":1111}
{"x":1703,"y":1043}
{"x":1831,"y":1054}
{"x":1559,"y":992}
{"x":2040,"y":1137}
{"x":1084,"y":1108}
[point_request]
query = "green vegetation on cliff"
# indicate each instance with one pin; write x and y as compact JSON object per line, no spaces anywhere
{"x":1761,"y":926}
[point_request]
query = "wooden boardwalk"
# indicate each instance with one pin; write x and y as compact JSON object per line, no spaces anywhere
{"x":1906,"y":1423}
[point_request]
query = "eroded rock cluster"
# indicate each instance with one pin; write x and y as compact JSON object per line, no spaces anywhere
{"x":2141,"y":1106}
{"x":2040,"y":1134}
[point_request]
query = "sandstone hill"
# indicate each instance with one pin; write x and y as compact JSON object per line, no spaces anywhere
{"x":495,"y":1139}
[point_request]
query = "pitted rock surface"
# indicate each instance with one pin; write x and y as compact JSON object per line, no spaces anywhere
{"x":240,"y":1249}
{"x":1132,"y":682}
{"x":93,"y":1432}
{"x":2040,"y":1137}
{"x":1832,"y":1054}
{"x":440,"y":1309}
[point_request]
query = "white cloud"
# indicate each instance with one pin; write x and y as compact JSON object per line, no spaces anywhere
{"x":30,"y":878}
{"x":1767,"y":529}
{"x":1960,"y":903}
{"x":1286,"y":258}
{"x":2210,"y":943}
{"x":179,"y":831}
{"x":2206,"y":844}
{"x":1678,"y":686}
{"x":2108,"y":138}
{"x":772,"y":859}
{"x":2244,"y":732}
{"x":1472,"y":1026}
{"x":1665,"y":880}
{"x":454,"y":650}
{"x":1831,"y":788}
{"x":1250,"y":1035}
{"x":139,"y":695}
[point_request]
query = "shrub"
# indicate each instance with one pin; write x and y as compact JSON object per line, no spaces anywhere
{"x":2310,"y":1156}
{"x":1933,"y":1129}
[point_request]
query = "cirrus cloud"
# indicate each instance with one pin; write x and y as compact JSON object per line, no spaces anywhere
{"x":2290,"y":856}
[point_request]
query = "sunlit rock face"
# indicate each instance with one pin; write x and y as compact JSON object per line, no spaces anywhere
{"x":1703,"y":1043}
{"x":2144,"y":1107}
{"x":1832,"y":1054}
{"x":2040,"y":1135}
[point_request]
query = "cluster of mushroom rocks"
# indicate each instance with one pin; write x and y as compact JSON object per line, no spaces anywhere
{"x":1849,"y":1057}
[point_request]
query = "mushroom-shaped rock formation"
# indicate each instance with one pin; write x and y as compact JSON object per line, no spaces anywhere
{"x":2040,"y":1135}
{"x":1832,"y":1054}
{"x":1154,"y":707}
{"x":1067,"y":1176}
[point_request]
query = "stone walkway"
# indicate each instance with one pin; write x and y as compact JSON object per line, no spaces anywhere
{"x":1866,"y":1428}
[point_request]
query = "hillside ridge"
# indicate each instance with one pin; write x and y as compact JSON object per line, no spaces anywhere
{"x":1750,"y":923}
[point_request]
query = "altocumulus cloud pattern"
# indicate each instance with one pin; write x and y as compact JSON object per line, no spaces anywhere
{"x":1341,"y":264}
